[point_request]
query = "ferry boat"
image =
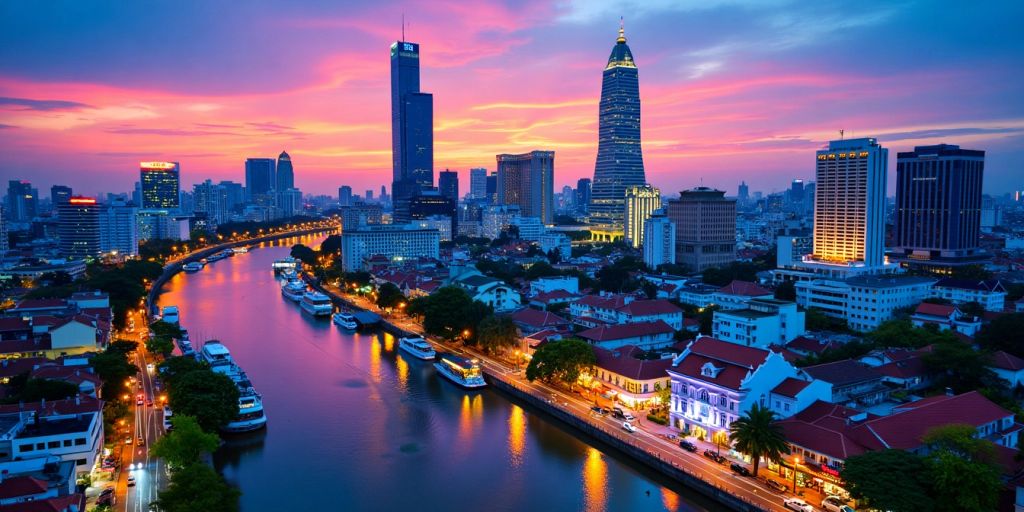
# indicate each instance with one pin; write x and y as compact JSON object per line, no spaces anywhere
{"x":345,"y":320}
{"x":250,"y":403}
{"x":460,"y":370}
{"x":316,"y":303}
{"x":417,"y":347}
{"x":216,"y":257}
{"x":239,"y":250}
{"x":290,"y":274}
{"x":293,"y":289}
{"x":284,"y":263}
{"x":169,"y":314}
{"x":193,"y":266}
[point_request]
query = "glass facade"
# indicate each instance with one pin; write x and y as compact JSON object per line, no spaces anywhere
{"x":412,"y":131}
{"x":160,"y":183}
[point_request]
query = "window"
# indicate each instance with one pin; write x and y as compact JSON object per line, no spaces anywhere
{"x":80,"y":441}
{"x":53,"y":444}
{"x":40,"y":446}
{"x":80,"y":462}
{"x":704,"y":397}
{"x":27,"y":447}
{"x":67,"y":442}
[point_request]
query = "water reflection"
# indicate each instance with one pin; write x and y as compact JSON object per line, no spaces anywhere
{"x":516,"y":435}
{"x":669,"y":499}
{"x":595,"y":481}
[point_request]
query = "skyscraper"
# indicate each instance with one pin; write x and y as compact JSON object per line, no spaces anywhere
{"x":641,"y":200}
{"x":260,"y":179}
{"x":743,"y":194}
{"x":430,"y":203}
{"x":478,"y":183}
{"x":234,"y":194}
{"x":492,"y":187}
{"x":345,"y":195}
{"x":211,"y":200}
{"x":412,"y":131}
{"x":583,"y":195}
{"x":79,"y":228}
{"x":22,"y":201}
{"x":659,"y":240}
{"x":119,"y":230}
{"x":59,"y":194}
{"x":620,"y":160}
{"x":705,"y":228}
{"x":448,"y":184}
{"x":938,"y":206}
{"x":796,"y":191}
{"x":849,"y":203}
{"x":161,"y":184}
{"x":527,"y":180}
{"x":285,"y":178}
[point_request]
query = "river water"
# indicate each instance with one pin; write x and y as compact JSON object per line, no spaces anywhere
{"x":354,"y":425}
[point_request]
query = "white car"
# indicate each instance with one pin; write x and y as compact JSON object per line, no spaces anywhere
{"x":797,"y":504}
{"x":835,"y":504}
{"x":628,"y":427}
{"x":628,"y":417}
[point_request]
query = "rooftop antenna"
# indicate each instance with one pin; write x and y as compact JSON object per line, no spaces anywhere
{"x":841,"y":131}
{"x":403,"y":27}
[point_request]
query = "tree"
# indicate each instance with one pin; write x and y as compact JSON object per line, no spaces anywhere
{"x":902,"y":333}
{"x":650,"y":289}
{"x":331,"y":245}
{"x":162,"y":341}
{"x":960,"y":367}
{"x":1004,"y":333}
{"x":450,"y":312}
{"x":210,"y":397}
{"x":389,"y":296}
{"x":540,"y":269}
{"x":757,"y":434}
{"x":304,"y":254}
{"x":186,"y":443}
{"x":815,"y":320}
{"x":113,"y":368}
{"x":706,"y":318}
{"x":893,"y":480}
{"x":496,"y":333}
{"x":963,"y":469}
{"x":174,"y":367}
{"x":198,"y":487}
{"x":786,"y":291}
{"x":563,"y":361}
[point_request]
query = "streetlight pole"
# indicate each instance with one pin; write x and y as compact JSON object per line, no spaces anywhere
{"x":796,"y":463}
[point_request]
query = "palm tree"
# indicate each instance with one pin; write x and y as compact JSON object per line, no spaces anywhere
{"x":757,"y":434}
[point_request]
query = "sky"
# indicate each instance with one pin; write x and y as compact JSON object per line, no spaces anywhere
{"x":730,"y":90}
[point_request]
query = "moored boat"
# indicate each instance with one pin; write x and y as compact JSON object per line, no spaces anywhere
{"x":192,"y":266}
{"x":294,"y":289}
{"x":461,"y":370}
{"x":417,"y":347}
{"x":345,"y":320}
{"x":250,"y":403}
{"x":316,"y":303}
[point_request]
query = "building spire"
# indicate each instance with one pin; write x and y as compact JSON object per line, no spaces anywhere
{"x":622,"y":31}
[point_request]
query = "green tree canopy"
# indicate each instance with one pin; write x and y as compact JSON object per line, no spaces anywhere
{"x":963,"y":469}
{"x":389,"y":296}
{"x":197,"y":487}
{"x":186,"y":443}
{"x":757,"y":434}
{"x":210,"y":397}
{"x":497,"y":333}
{"x":962,"y":368}
{"x":113,"y":368}
{"x":449,"y":312}
{"x":892,"y":480}
{"x":902,"y":333}
{"x":304,"y":254}
{"x":1004,"y":333}
{"x":561,"y":361}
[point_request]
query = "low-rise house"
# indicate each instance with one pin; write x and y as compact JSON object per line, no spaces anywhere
{"x":810,"y":345}
{"x":911,"y":373}
{"x":697,"y":294}
{"x":737,"y":294}
{"x":619,"y":309}
{"x":763,"y":322}
{"x":632,"y":379}
{"x":945,"y":317}
{"x":850,"y":381}
{"x":88,"y":383}
{"x":795,"y":394}
{"x":545,"y":300}
{"x":530,"y":321}
{"x":569,"y":284}
{"x":601,"y":307}
{"x":1009,"y":368}
{"x":493,"y":292}
{"x":39,"y":484}
{"x":646,"y":335}
{"x":991,"y":293}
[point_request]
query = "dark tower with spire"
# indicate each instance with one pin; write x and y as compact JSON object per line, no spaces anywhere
{"x":620,"y":161}
{"x":412,"y":129}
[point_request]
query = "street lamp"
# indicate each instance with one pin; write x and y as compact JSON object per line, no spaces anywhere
{"x":796,"y":463}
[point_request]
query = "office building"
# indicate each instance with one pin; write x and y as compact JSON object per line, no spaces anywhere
{"x":285,"y":178}
{"x":234,"y":194}
{"x":557,"y":242}
{"x":492,"y":188}
{"x":412,"y":131}
{"x":431,"y":203}
{"x":864,"y":301}
{"x":478,"y":183}
{"x":849,"y":204}
{"x":160,"y":184}
{"x":260,"y":180}
{"x":22,"y":201}
{"x":529,"y":228}
{"x":527,"y":180}
{"x":448,"y":185}
{"x":938,"y":207}
{"x":79,"y":228}
{"x":705,"y":228}
{"x":641,"y":200}
{"x":59,"y":194}
{"x":442,"y":223}
{"x":345,"y":195}
{"x":289,"y":202}
{"x":4,"y":243}
{"x":119,"y":231}
{"x":796,"y":191}
{"x":360,"y":214}
{"x":743,"y":194}
{"x":620,"y":160}
{"x":210,"y":200}
{"x":396,"y":242}
{"x":659,"y":244}
{"x":162,"y":224}
{"x":583,"y":195}
{"x":762,"y":323}
{"x":497,"y":218}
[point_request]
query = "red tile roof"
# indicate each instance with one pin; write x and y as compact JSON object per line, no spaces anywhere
{"x":553,"y":296}
{"x":19,"y":365}
{"x":905,"y":429}
{"x":810,"y":345}
{"x":745,"y":288}
{"x":625,"y":331}
{"x":61,"y":504}
{"x":749,"y":357}
{"x":14,"y":325}
{"x":843,"y":373}
{"x":21,"y":486}
{"x":537,"y":318}
{"x":72,"y":374}
{"x":929,"y":309}
{"x":904,"y":368}
{"x":1007,"y":361}
{"x":790,"y":387}
{"x":823,"y":427}
{"x":650,"y":307}
{"x":623,"y":361}
{"x":733,"y":361}
{"x":40,"y":304}
{"x":81,"y":404}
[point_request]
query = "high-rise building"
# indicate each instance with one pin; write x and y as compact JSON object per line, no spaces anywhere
{"x":412,"y":131}
{"x":59,"y":194}
{"x":285,"y":178}
{"x":448,"y":184}
{"x":659,"y":240}
{"x":494,"y":219}
{"x":383,"y":194}
{"x":345,"y":195}
{"x":849,"y":208}
{"x":79,"y":228}
{"x":492,"y":187}
{"x":234,"y":194}
{"x":396,"y":242}
{"x":22,"y":201}
{"x":119,"y":230}
{"x":620,"y":160}
{"x":796,"y":191}
{"x":743,"y":194}
{"x":211,"y":200}
{"x":527,"y":180}
{"x":583,"y":195}
{"x":431,"y":203}
{"x":290,"y":202}
{"x":369,"y":195}
{"x":161,"y":185}
{"x":705,"y":228}
{"x":478,"y":183}
{"x":939,"y":206}
{"x":641,"y":200}
{"x":260,"y":180}
{"x":4,"y":243}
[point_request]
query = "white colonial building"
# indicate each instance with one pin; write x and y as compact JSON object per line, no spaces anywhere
{"x":762,"y":323}
{"x":864,"y":301}
{"x":990,"y":294}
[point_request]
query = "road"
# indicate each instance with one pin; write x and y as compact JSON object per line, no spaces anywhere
{"x":746,"y":488}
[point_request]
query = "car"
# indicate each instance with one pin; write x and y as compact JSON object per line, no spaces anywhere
{"x":688,"y":446}
{"x":106,"y":491}
{"x":715,"y":456}
{"x":128,"y":440}
{"x":628,"y":417}
{"x":628,"y":427}
{"x":131,"y":480}
{"x":739,"y":469}
{"x":797,"y":504}
{"x":141,"y":441}
{"x":150,"y":367}
{"x":107,"y":499}
{"x":598,"y":410}
{"x":617,"y":413}
{"x":774,"y":485}
{"x":835,"y":504}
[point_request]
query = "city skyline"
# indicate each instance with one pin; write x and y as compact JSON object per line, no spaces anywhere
{"x":747,"y":92}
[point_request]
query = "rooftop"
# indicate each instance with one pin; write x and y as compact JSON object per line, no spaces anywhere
{"x":843,"y":373}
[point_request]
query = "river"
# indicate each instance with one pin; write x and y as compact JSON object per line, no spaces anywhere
{"x":353,"y":425}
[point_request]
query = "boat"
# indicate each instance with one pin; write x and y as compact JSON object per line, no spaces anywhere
{"x":345,"y":320}
{"x":250,"y":403}
{"x":216,"y":257}
{"x":316,"y":303}
{"x":240,"y":250}
{"x":417,"y":347}
{"x":193,"y":266}
{"x":169,"y":314}
{"x":289,"y":274}
{"x":293,"y":290}
{"x":284,"y":263}
{"x":460,"y":370}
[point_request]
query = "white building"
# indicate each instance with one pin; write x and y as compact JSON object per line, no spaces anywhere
{"x":762,"y":323}
{"x":478,"y":183}
{"x":496,"y":218}
{"x":864,"y":301}
{"x":493,"y":292}
{"x":659,"y":240}
{"x":556,"y":242}
{"x":290,"y":202}
{"x":737,"y":294}
{"x":394,"y":241}
{"x":945,"y":317}
{"x":530,"y":228}
{"x":160,"y":224}
{"x":641,"y":201}
{"x":441,"y":223}
{"x":119,"y":229}
{"x":570,"y":284}
{"x":990,"y":294}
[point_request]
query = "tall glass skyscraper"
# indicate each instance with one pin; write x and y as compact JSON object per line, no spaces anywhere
{"x":412,"y":129}
{"x":527,"y":180}
{"x":260,"y":179}
{"x":160,"y":182}
{"x":285,"y":172}
{"x":620,"y":161}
